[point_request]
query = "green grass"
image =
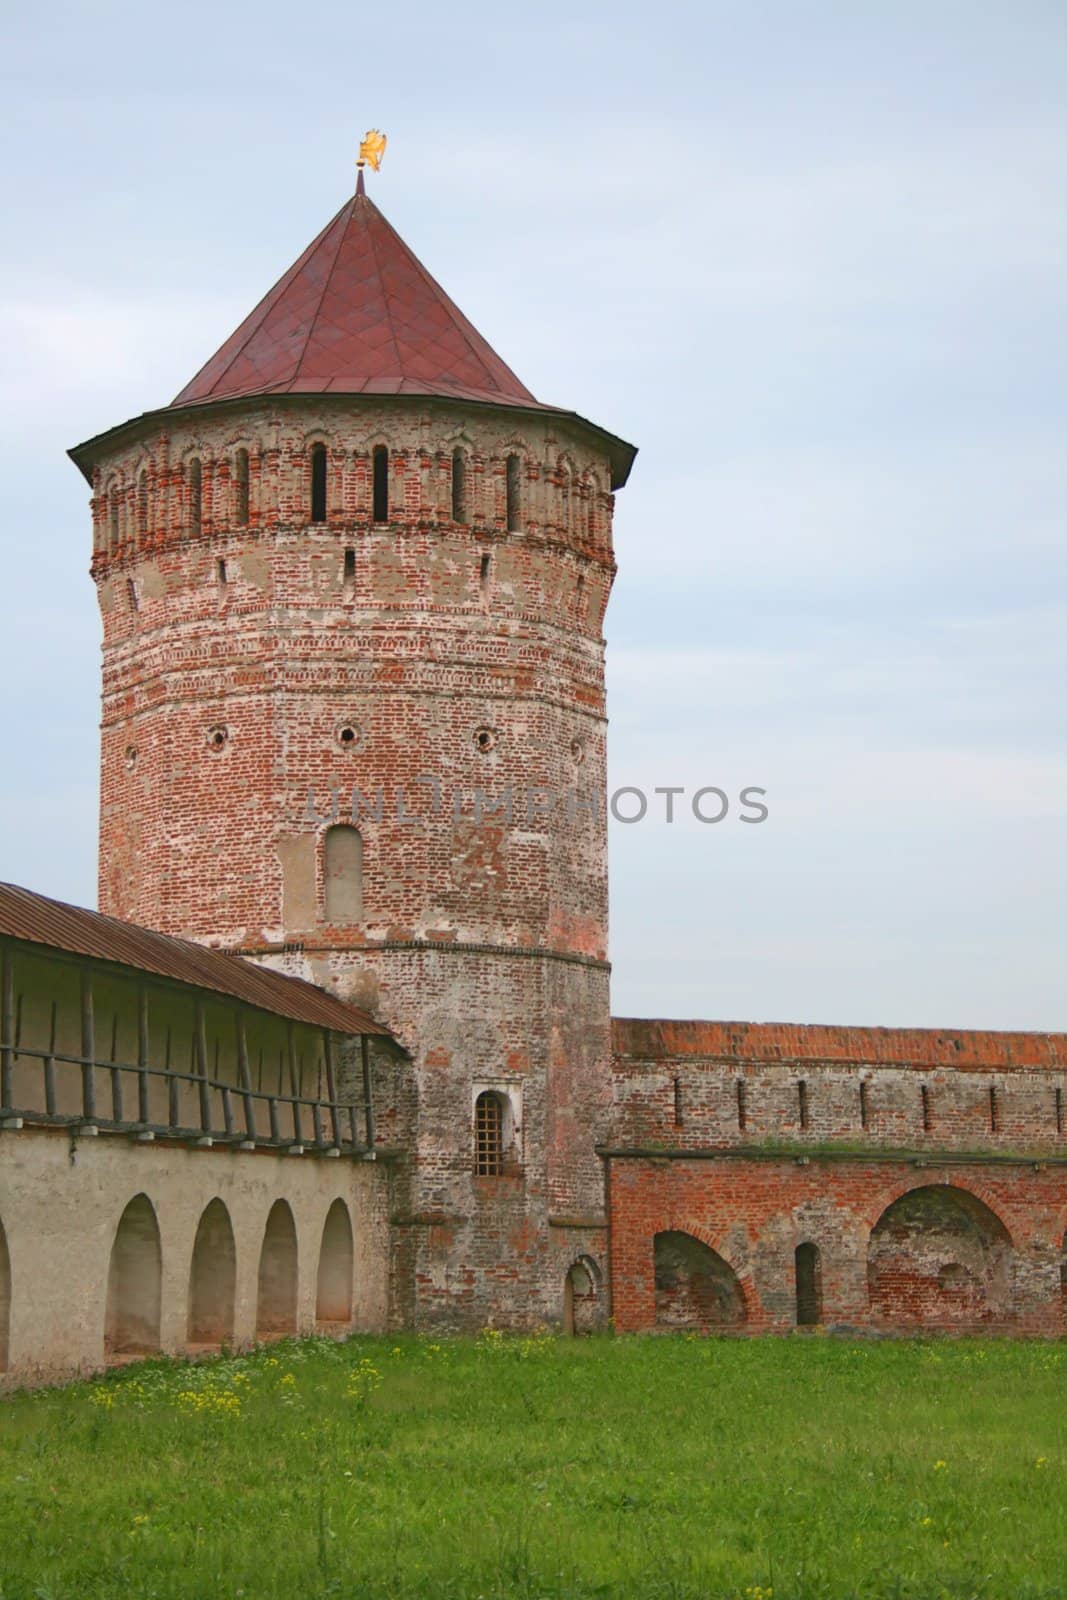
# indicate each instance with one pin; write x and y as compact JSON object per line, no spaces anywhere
{"x":663,"y":1468}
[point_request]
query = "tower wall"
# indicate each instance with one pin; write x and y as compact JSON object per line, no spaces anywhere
{"x":259,"y":667}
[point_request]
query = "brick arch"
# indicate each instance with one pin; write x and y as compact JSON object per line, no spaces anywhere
{"x":712,"y":1241}
{"x":940,"y":1257}
{"x":873,"y":1213}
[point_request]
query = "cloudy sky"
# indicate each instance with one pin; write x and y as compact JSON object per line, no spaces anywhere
{"x":809,"y":257}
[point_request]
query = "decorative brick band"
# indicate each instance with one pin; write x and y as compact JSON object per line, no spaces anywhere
{"x":527,"y":952}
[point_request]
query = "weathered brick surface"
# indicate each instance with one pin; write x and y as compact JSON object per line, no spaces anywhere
{"x":482,"y":942}
{"x":979,"y":1244}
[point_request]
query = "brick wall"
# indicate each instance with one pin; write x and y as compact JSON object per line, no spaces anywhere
{"x":251,"y":665}
{"x":954,"y":1220}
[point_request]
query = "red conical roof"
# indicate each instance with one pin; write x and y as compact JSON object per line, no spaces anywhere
{"x":357,"y":314}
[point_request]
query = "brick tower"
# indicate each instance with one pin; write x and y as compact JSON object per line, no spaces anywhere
{"x":352,"y":583}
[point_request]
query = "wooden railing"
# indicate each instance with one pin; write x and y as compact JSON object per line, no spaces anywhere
{"x":118,"y":1097}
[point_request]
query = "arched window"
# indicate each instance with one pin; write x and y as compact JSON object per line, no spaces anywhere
{"x":276,"y":1298}
{"x":196,"y":506}
{"x":212,"y":1278}
{"x":113,"y":518}
{"x":343,"y":874}
{"x":134,"y":1282}
{"x":142,"y":504}
{"x":240,"y":470}
{"x":333,"y":1299}
{"x":488,"y":1135}
{"x":318,"y":483}
{"x":459,"y":486}
{"x":380,"y":469}
{"x":809,"y":1285}
{"x":514,"y":494}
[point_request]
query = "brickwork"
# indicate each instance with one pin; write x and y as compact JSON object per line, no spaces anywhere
{"x":944,"y":1211}
{"x":255,"y":675}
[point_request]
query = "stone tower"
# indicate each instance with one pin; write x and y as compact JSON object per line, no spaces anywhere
{"x":353,"y":582}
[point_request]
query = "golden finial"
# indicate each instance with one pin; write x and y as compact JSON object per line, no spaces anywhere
{"x":372,"y":149}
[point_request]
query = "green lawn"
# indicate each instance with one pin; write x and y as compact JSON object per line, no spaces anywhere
{"x":675,"y":1467}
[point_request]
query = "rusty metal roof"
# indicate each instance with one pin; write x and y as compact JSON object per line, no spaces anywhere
{"x":35,"y":919}
{"x":357,"y":313}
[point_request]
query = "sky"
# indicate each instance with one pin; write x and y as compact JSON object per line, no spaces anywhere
{"x":809,"y":257}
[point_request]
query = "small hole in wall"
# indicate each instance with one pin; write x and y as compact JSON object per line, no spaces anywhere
{"x":350,"y":735}
{"x":484,"y":738}
{"x":217,"y":737}
{"x":131,"y":757}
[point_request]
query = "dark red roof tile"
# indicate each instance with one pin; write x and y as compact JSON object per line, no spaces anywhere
{"x":357,"y":314}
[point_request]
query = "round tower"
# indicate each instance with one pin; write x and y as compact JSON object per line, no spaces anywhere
{"x":352,"y":583}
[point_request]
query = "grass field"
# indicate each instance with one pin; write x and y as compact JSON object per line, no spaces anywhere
{"x":664,"y":1468}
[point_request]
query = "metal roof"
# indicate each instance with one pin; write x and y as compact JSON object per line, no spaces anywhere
{"x":36,"y":919}
{"x":358,"y":315}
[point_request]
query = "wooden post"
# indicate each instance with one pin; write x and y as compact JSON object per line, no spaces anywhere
{"x":243,"y":1073}
{"x":200,"y":1041}
{"x":88,"y":1047}
{"x":7,"y":1025}
{"x":116,"y":1075}
{"x":368,"y":1102}
{"x":50,"y":1065}
{"x":291,"y":1047}
{"x":173,"y":1109}
{"x":331,"y":1085}
{"x":143,"y":1110}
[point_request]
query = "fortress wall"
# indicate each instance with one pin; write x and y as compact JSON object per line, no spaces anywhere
{"x":952,"y":1246}
{"x":694,"y":1086}
{"x":61,"y":1201}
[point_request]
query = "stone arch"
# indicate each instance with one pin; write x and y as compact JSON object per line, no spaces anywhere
{"x":695,"y":1288}
{"x":581,"y":1296}
{"x":212,"y":1278}
{"x":333,"y":1295}
{"x":939,"y":1257}
{"x":5,"y":1301}
{"x":134,"y":1283}
{"x":342,"y":873}
{"x":276,"y":1297}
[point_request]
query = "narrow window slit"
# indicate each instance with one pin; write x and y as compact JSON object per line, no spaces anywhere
{"x":864,"y":1108}
{"x":241,"y":486}
{"x":221,"y":579}
{"x":802,"y":1103}
{"x":196,"y":506}
{"x":994,"y":1109}
{"x":679,"y":1112}
{"x":318,"y":483}
{"x":514,"y":494}
{"x":459,"y":486}
{"x":349,"y":573}
{"x":924,"y":1095}
{"x":1059,"y":1110}
{"x":380,"y":486}
{"x":131,"y":588}
{"x":742,"y":1117}
{"x":485,"y":571}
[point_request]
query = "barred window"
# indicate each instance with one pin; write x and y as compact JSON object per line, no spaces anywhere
{"x":488,"y":1135}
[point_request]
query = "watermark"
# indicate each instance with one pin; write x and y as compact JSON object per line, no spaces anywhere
{"x":536,"y":805}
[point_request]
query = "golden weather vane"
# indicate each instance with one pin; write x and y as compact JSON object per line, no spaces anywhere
{"x":372,"y":149}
